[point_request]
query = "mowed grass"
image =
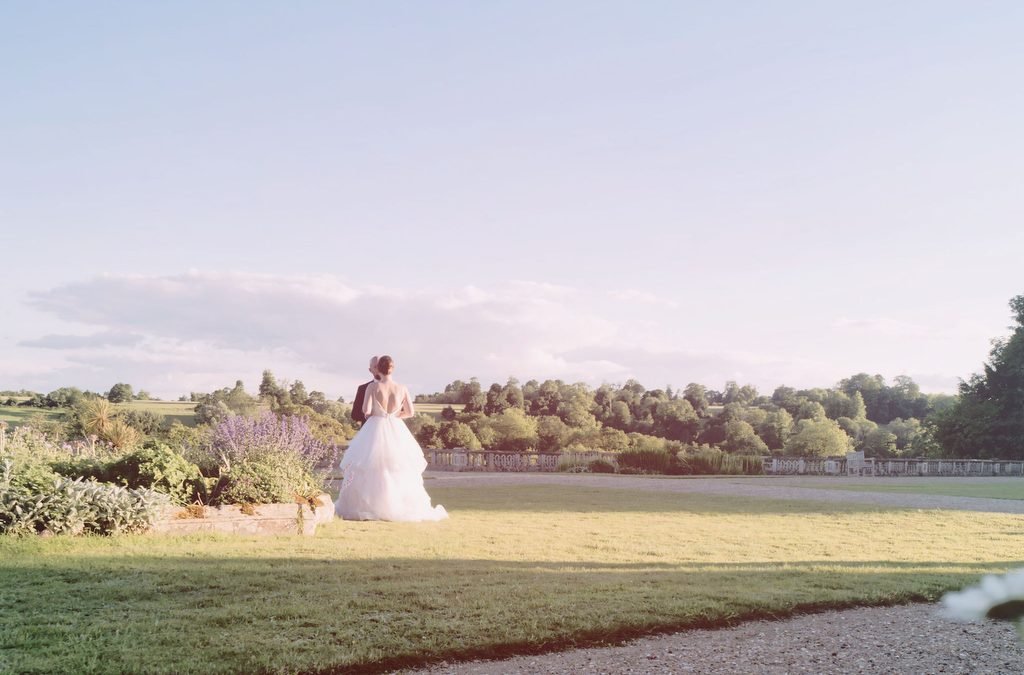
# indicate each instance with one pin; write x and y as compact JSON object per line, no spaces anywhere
{"x":515,"y":570}
{"x":173,"y":411}
{"x":997,"y":489}
{"x":17,"y":417}
{"x":434,"y":409}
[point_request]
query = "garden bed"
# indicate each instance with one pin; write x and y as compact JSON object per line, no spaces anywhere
{"x":245,"y":519}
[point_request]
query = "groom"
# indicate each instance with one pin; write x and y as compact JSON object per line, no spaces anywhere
{"x":357,"y":405}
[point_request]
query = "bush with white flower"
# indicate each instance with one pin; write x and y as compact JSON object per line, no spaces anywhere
{"x":997,"y":597}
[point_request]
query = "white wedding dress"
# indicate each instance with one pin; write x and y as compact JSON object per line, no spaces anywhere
{"x":383,"y":471}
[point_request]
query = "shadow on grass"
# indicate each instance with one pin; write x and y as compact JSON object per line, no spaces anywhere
{"x":257,"y":614}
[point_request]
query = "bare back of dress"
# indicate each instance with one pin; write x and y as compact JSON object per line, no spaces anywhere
{"x":388,"y":400}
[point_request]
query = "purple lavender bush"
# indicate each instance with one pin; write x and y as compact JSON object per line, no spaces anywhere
{"x":267,"y":459}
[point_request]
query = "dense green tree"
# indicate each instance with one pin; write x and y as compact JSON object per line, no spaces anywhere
{"x":878,"y":443}
{"x":776,"y":429}
{"x":317,"y":400}
{"x":547,"y":398}
{"x":269,"y":388}
{"x":512,"y":394}
{"x":988,"y":421}
{"x":676,"y":420}
{"x":613,"y":440}
{"x":552,"y":433}
{"x":786,"y":398}
{"x":65,"y":397}
{"x":857,"y":429}
{"x":298,"y":393}
{"x":476,"y":402}
{"x":120,"y":393}
{"x":146,"y":421}
{"x":513,"y":431}
{"x":697,"y":395}
{"x":576,"y":406}
{"x":840,"y":404}
{"x":809,"y":410}
{"x":909,"y":435}
{"x":455,"y":434}
{"x":425,"y":429}
{"x":495,"y":402}
{"x":818,"y":437}
{"x":620,"y":416}
{"x":741,"y":438}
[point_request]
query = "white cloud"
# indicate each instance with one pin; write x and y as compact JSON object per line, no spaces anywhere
{"x":198,"y":331}
{"x":222,"y":326}
{"x":883,"y":326}
{"x":634,"y":296}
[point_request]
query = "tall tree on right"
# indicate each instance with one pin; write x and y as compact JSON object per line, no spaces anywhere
{"x":988,"y":420}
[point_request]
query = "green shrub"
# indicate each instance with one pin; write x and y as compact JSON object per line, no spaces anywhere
{"x":601,"y":466}
{"x":89,"y":468}
{"x":78,"y":507}
{"x":711,"y":461}
{"x":573,"y":467}
{"x":157,"y":466}
{"x":146,"y":421}
{"x":26,"y":458}
{"x":646,"y":460}
{"x":267,"y":480}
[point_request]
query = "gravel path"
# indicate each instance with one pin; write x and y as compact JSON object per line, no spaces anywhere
{"x":908,"y":639}
{"x":784,"y":487}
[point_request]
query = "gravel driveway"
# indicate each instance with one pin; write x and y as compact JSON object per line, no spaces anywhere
{"x":909,"y":639}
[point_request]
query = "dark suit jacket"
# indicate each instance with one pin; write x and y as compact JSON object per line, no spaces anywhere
{"x":357,"y":405}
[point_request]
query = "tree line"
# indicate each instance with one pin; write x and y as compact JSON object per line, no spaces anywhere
{"x":862,"y":412}
{"x":738,"y":419}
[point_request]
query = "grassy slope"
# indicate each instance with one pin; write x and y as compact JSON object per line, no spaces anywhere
{"x":515,"y":570}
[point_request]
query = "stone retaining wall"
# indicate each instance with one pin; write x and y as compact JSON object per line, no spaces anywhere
{"x":264,"y":519}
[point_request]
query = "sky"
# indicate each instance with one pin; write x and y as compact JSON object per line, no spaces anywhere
{"x":772,"y":193}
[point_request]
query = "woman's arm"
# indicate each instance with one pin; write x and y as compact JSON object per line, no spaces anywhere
{"x":371,"y":391}
{"x":407,"y":409}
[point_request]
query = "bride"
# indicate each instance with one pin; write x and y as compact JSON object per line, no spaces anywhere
{"x":383,"y":465}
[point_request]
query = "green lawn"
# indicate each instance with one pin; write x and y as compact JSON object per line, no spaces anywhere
{"x":16,"y":417}
{"x":997,"y":489}
{"x":174,"y":411}
{"x":516,"y":569}
{"x":434,"y":409}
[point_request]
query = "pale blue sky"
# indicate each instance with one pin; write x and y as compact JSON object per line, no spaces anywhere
{"x":778,"y":192}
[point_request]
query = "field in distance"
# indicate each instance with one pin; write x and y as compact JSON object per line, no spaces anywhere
{"x":434,"y":409}
{"x":173,"y":411}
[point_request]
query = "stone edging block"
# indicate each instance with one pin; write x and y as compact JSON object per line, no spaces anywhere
{"x":265,"y":519}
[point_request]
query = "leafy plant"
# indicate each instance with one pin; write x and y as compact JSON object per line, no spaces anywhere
{"x":78,"y":507}
{"x":645,"y":461}
{"x":711,"y":461}
{"x":601,"y":466}
{"x":157,"y":466}
{"x":267,"y":480}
